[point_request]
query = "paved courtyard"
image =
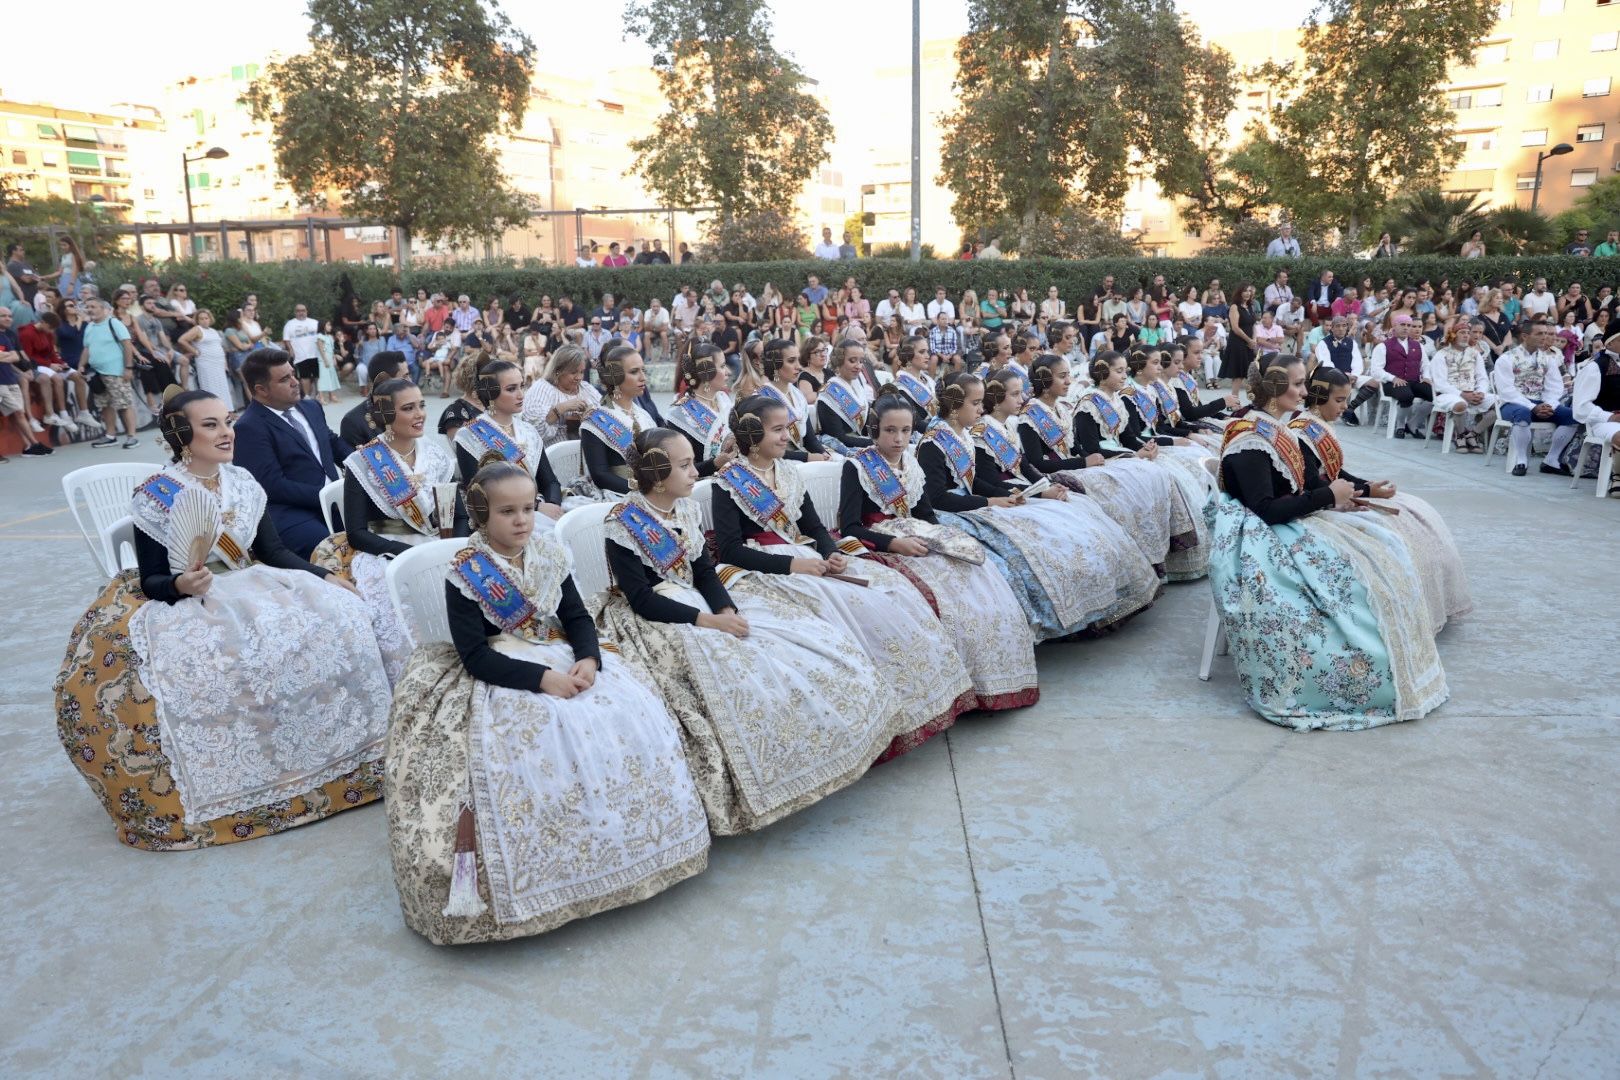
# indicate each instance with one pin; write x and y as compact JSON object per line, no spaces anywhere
{"x":1135,"y":878}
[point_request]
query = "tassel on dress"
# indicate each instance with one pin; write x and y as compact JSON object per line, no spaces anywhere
{"x":464,"y":900}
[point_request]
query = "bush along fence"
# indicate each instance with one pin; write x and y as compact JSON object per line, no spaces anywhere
{"x":221,"y":286}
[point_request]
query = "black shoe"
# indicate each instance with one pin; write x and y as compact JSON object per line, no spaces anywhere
{"x":1418,"y":435}
{"x":1400,"y":433}
{"x":1350,"y":418}
{"x":36,"y":450}
{"x":1555,"y":471}
{"x":104,"y":442}
{"x":1519,"y":470}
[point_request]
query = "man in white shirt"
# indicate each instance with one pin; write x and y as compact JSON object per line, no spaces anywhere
{"x":1538,"y":301}
{"x":941,"y":303}
{"x":655,"y":330}
{"x":1530,"y":383}
{"x":1338,"y":349}
{"x":684,"y":311}
{"x":1463,"y":386}
{"x":298,"y":338}
{"x":887,"y":307}
{"x":1398,"y":366}
{"x":1278,"y":293}
{"x":992,"y":250}
{"x":1291,"y":317}
{"x":828,"y":248}
{"x":1283,"y":246}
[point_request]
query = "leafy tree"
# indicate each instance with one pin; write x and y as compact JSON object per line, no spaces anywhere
{"x":741,"y":133}
{"x":760,"y":236}
{"x":1430,"y":222}
{"x":1521,"y":231}
{"x":23,"y":212}
{"x":1356,"y":123}
{"x":1071,"y":233}
{"x":1600,"y":204}
{"x":1055,"y":95}
{"x":391,"y":112}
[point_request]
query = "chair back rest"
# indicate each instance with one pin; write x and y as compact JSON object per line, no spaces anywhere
{"x":566,"y":460}
{"x":105,"y":491}
{"x":581,"y":531}
{"x":332,"y":504}
{"x":823,"y":480}
{"x":120,"y":540}
{"x":703,"y":495}
{"x":416,"y":585}
{"x":1213,"y":465}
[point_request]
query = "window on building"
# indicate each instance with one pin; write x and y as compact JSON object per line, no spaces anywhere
{"x":1461,"y":101}
{"x":1589,"y":133}
{"x":19,"y":157}
{"x":1606,"y":42}
{"x":1492,"y":54}
{"x":1551,"y":7}
{"x":1539,"y":92}
{"x":1538,"y":137}
{"x":50,"y":160}
{"x":1595,"y":87}
{"x":1544,"y":50}
{"x":1582,"y":177}
{"x":47,"y":131}
{"x":1488,"y":99}
{"x":1526,"y":181}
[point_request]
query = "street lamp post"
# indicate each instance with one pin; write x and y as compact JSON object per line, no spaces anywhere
{"x":215,"y":153}
{"x":1557,"y":151}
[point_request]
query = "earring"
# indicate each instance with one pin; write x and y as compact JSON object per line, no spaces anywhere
{"x":658,"y":488}
{"x":388,"y":436}
{"x":185,"y":456}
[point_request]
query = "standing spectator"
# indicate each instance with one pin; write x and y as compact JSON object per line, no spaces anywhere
{"x":991,"y":251}
{"x":109,"y":358}
{"x":826,"y":249}
{"x":582,"y":257}
{"x":658,"y":256}
{"x":1579,"y":247}
{"x":1278,"y":293}
{"x":1475,"y":246}
{"x":1283,"y":245}
{"x":1606,"y":250}
{"x":23,"y":273}
{"x":686,"y":254}
{"x":846,"y":250}
{"x":209,"y":349}
{"x":298,"y":340}
{"x":1241,"y":345}
{"x":70,"y":347}
{"x":614,"y":257}
{"x":1386,"y":248}
{"x":164,"y":365}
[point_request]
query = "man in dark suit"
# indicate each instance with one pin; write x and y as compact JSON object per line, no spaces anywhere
{"x":355,"y":427}
{"x":283,"y":440}
{"x":1319,"y":305}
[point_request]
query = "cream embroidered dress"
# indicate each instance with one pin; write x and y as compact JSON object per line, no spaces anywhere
{"x":579,"y":804}
{"x":771,"y":722}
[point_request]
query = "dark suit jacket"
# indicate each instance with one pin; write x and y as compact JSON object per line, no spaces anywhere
{"x":277,"y":454}
{"x":355,"y":428}
{"x":1313,"y":292}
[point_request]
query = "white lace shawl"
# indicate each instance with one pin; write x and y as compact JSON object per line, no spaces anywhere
{"x":241,"y":505}
{"x":433,"y":466}
{"x":712,"y":439}
{"x":688,"y":518}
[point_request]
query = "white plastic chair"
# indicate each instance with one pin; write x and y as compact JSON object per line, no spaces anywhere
{"x":416,"y":586}
{"x":1384,"y":401}
{"x":332,"y":504}
{"x":824,"y":480}
{"x":1451,"y":430}
{"x":581,"y":530}
{"x":1605,"y":463}
{"x":1214,"y":641}
{"x":567,"y":461}
{"x":703,"y":495}
{"x":106,"y":491}
{"x":120,"y":540}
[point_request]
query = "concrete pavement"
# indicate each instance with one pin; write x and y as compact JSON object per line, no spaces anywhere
{"x":1137,"y":877}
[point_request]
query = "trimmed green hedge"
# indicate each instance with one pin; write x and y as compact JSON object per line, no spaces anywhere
{"x":222,"y":285}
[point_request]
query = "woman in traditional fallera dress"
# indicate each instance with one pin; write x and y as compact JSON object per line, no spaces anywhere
{"x":700,"y":413}
{"x":391,"y":492}
{"x":225,"y":691}
{"x":532,"y":778}
{"x":1107,"y":558}
{"x":1104,"y":424}
{"x":1142,"y":499}
{"x":501,"y":432}
{"x":772,"y":543}
{"x":780,"y":363}
{"x":841,"y":405}
{"x":1428,"y":541}
{"x":884,"y":505}
{"x":606,"y":433}
{"x":1144,"y":398}
{"x":1171,"y":388}
{"x":916,"y":385}
{"x":1325,"y":617}
{"x":777,"y":707}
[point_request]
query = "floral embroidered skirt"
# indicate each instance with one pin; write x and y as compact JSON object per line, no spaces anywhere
{"x":369,"y":574}
{"x":1325,"y":618}
{"x":581,"y":805}
{"x":108,"y":723}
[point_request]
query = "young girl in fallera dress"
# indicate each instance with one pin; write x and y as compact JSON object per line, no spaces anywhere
{"x":532,"y":778}
{"x":500,"y":432}
{"x":777,"y":707}
{"x":607,"y":431}
{"x":916,"y":385}
{"x":841,"y":405}
{"x":1173,"y":378}
{"x":1143,"y":500}
{"x":883,"y":504}
{"x":1325,"y":617}
{"x":1144,"y":404}
{"x":1104,"y":425}
{"x":780,"y":362}
{"x":772,"y":543}
{"x":701,"y":412}
{"x":1031,"y":540}
{"x":1108,"y":555}
{"x":391,"y":489}
{"x":202,"y":698}
{"x":1428,"y":541}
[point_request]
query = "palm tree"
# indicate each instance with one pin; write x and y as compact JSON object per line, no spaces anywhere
{"x":1522,"y":231}
{"x":1436,"y":222}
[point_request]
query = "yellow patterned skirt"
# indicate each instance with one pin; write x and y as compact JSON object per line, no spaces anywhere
{"x":108,"y":724}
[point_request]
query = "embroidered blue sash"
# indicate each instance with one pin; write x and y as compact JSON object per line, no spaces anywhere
{"x":957,"y":455}
{"x":484,"y":430}
{"x":915,"y":388}
{"x":1167,"y":401}
{"x":761,"y":503}
{"x":162,"y":489}
{"x":1110,"y":415}
{"x":660,"y":546}
{"x":397,"y":483}
{"x":503,"y":602}
{"x":700,"y":414}
{"x":1144,"y":402}
{"x":1000,"y":447}
{"x":612,"y":430}
{"x":885,"y":480}
{"x":844,"y":401}
{"x":1189,"y":384}
{"x":1046,"y":425}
